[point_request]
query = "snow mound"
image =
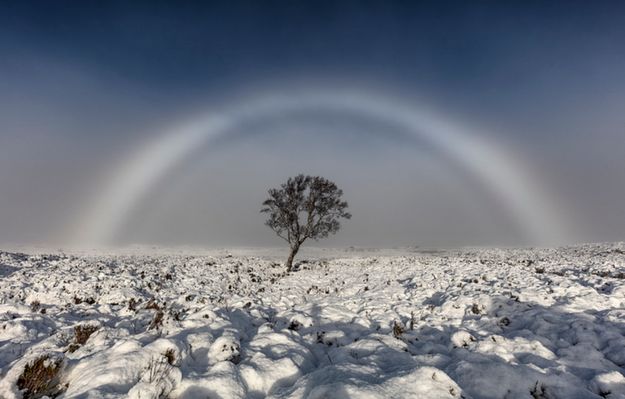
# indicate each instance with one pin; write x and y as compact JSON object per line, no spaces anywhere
{"x":471,"y":323}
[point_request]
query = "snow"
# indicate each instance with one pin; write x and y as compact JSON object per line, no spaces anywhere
{"x":465,"y":323}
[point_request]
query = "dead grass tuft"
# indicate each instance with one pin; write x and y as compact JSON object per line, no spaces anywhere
{"x":83,"y":332}
{"x":170,"y":355}
{"x":41,"y":378}
{"x":157,"y":321}
{"x":398,"y":330}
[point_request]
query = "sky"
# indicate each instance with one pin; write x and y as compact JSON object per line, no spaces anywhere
{"x":88,"y":88}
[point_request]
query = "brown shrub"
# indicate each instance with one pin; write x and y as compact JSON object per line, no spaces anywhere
{"x":157,"y":321}
{"x":170,"y":355}
{"x":83,"y":332}
{"x":398,"y":330}
{"x":41,"y":378}
{"x":152,"y":305}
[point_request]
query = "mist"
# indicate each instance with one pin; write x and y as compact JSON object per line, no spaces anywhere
{"x":84,"y":90}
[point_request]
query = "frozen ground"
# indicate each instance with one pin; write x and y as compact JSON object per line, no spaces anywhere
{"x":472,"y":323}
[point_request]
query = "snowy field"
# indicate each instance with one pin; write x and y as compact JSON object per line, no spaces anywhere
{"x":472,"y":323}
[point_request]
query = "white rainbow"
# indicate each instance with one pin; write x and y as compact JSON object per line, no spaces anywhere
{"x":496,"y":168}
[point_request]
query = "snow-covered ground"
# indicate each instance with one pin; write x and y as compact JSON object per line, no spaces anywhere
{"x":471,"y":323}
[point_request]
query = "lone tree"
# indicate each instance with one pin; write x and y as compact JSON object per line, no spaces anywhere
{"x":304,"y":207}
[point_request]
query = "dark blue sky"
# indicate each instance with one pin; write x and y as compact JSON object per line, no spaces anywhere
{"x":496,"y":51}
{"x":81,"y":82}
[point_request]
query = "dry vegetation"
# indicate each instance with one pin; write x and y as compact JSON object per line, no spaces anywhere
{"x":41,"y":378}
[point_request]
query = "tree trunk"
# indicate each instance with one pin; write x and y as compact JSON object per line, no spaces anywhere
{"x":289,"y":261}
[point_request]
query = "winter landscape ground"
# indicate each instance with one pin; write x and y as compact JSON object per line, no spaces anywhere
{"x":469,"y":323}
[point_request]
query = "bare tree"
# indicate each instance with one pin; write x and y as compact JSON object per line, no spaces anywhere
{"x":304,"y":207}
